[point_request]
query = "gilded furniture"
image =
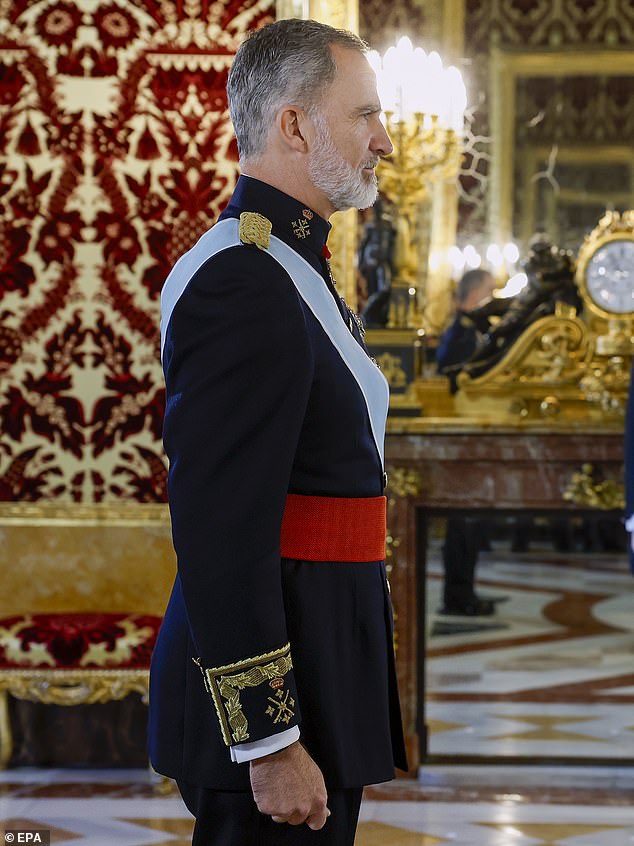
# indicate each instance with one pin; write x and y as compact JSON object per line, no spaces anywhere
{"x":567,"y":369}
{"x":83,"y":592}
{"x":605,"y":278}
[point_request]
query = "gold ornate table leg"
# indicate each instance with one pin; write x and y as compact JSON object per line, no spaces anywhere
{"x":6,"y":737}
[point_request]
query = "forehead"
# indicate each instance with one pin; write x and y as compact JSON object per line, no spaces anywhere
{"x":355,"y":82}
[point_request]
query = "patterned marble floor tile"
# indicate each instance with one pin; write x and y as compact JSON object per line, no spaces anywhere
{"x":567,"y":640}
{"x":179,"y":830}
{"x":513,"y":824}
{"x":429,"y":818}
{"x":379,"y":834}
{"x":532,"y":729}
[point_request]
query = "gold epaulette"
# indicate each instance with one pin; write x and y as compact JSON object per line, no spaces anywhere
{"x":255,"y":229}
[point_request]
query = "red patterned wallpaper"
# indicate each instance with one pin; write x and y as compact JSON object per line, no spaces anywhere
{"x":116,"y":153}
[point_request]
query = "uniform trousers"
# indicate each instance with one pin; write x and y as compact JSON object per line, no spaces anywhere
{"x":231,"y":818}
{"x":460,"y":556}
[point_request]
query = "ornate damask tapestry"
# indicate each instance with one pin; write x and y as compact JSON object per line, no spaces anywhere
{"x":116,"y":153}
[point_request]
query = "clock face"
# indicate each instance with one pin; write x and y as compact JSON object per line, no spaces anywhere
{"x":610,"y":277}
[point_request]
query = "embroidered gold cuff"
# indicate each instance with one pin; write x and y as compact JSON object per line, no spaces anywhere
{"x":226,"y":683}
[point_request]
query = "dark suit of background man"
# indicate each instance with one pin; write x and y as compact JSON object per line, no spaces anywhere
{"x":463,"y":534}
{"x":273,"y":688}
{"x":629,"y":468}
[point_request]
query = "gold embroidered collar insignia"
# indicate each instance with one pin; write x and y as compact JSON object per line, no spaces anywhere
{"x":301,"y":229}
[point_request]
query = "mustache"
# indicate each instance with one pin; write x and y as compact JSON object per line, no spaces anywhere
{"x":371,"y":163}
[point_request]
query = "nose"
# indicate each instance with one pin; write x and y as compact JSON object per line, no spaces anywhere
{"x":381,"y":144}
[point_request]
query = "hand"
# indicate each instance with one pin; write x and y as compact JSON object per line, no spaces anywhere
{"x":288,"y":786}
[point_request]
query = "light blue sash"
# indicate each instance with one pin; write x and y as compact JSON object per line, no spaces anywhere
{"x":312,"y":289}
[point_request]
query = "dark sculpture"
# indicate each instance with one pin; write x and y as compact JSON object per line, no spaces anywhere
{"x":376,"y":264}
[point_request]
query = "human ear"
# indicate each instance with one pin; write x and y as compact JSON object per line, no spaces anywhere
{"x":292,"y":123}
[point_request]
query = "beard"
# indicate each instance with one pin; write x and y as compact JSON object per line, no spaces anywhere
{"x":346,"y":187}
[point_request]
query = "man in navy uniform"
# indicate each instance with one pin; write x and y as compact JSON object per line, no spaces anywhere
{"x":460,"y":340}
{"x":463,"y":533}
{"x":629,"y":468}
{"x":273,"y":693}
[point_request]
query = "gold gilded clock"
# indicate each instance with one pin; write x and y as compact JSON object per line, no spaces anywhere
{"x":605,"y":267}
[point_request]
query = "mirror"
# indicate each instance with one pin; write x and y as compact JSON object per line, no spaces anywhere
{"x":549,"y":674}
{"x":562,"y":142}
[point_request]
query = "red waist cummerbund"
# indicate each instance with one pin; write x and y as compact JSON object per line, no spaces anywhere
{"x":330,"y":528}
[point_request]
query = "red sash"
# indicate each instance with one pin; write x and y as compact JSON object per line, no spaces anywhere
{"x":329,"y":528}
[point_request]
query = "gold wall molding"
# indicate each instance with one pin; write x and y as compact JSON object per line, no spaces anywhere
{"x":75,"y":514}
{"x":506,"y":68}
{"x":453,"y":30}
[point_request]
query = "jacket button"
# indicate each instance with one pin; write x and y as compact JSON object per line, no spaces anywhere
{"x":385,"y":480}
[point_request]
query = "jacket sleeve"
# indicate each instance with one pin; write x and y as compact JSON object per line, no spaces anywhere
{"x":629,"y":466}
{"x":238,"y":368}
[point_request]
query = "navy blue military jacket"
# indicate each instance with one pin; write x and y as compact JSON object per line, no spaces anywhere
{"x":260,"y":403}
{"x":629,"y":462}
{"x":456,"y":346}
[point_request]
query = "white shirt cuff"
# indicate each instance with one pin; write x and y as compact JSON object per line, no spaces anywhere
{"x":259,"y":748}
{"x":629,"y":524}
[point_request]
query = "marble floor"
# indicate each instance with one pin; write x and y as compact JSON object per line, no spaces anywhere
{"x":550,"y":675}
{"x":461,"y":806}
{"x":531,"y":715}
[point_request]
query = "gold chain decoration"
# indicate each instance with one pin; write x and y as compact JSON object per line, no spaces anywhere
{"x":584,"y":489}
{"x":405,"y":481}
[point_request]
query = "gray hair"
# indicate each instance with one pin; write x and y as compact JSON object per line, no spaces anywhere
{"x":471,"y":280}
{"x":286,"y":62}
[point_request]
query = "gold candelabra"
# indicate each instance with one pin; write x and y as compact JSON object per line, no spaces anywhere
{"x":424,"y":107}
{"x":424,"y":152}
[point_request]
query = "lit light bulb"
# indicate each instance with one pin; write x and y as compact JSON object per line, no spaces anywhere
{"x":434,"y":84}
{"x":514,"y":285}
{"x":404,"y":45}
{"x":410,"y":82}
{"x":456,"y":260}
{"x":494,"y":256}
{"x":472,"y":258}
{"x":511,"y":252}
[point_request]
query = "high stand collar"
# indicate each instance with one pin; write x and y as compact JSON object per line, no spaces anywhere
{"x":293,"y":222}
